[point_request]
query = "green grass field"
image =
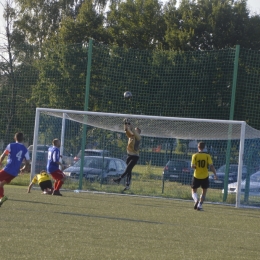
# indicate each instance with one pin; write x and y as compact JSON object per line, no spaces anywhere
{"x":116,"y":226}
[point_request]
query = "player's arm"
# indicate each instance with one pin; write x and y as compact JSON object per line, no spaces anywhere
{"x":128,"y":128}
{"x":2,"y":157}
{"x":193,"y":162}
{"x":136,"y":134}
{"x":56,"y":159}
{"x":4,"y":154}
{"x":34,"y":180}
{"x":27,"y":166}
{"x":29,"y":187}
{"x":129,"y":132}
{"x":212,"y":168}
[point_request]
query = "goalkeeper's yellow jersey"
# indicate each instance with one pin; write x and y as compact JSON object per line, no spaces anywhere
{"x":202,"y":161}
{"x":133,"y":142}
{"x":40,"y":177}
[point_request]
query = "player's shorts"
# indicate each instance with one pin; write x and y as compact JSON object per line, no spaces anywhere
{"x":5,"y":176}
{"x":58,"y":175}
{"x":203,"y":183}
{"x":45,"y":185}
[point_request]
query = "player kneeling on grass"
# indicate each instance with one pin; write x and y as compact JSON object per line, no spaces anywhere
{"x":44,"y":181}
{"x":201,"y":161}
{"x":134,"y":139}
{"x":16,"y":153}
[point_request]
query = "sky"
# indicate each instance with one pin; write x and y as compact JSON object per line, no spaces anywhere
{"x":253,"y":6}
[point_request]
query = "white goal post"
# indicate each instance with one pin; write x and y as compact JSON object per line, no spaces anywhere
{"x":152,"y":126}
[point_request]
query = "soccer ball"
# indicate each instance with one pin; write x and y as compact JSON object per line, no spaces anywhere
{"x":127,"y":95}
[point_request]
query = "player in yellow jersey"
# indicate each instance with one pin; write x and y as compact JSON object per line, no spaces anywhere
{"x":134,"y":139}
{"x":44,"y":181}
{"x":201,"y":161}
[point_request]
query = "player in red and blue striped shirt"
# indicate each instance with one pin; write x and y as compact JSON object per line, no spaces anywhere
{"x":53,"y":166}
{"x":16,"y":153}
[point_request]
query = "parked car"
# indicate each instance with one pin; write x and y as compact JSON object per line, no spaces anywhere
{"x":42,"y":156}
{"x":92,"y":152}
{"x":67,"y":158}
{"x":254,"y":185}
{"x":232,"y":176}
{"x":178,"y":171}
{"x":97,"y":167}
{"x":40,"y":147}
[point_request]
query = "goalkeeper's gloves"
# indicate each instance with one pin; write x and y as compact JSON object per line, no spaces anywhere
{"x":126,"y":121}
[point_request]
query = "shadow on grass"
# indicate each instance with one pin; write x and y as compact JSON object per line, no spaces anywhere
{"x":107,"y":217}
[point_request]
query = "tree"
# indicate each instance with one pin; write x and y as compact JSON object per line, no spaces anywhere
{"x":62,"y":77}
{"x":208,"y":24}
{"x":88,"y":24}
{"x":137,"y":24}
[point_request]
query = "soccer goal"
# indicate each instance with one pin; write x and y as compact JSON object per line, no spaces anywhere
{"x":93,"y":148}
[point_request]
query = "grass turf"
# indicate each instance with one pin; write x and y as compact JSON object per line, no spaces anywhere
{"x":110,"y":226}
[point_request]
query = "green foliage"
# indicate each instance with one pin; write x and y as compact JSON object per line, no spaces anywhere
{"x":62,"y":76}
{"x":148,"y":172}
{"x":137,"y":24}
{"x":210,"y":24}
{"x":88,"y":24}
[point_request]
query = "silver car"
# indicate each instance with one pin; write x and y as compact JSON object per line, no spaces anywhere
{"x":97,"y":168}
{"x":254,"y":184}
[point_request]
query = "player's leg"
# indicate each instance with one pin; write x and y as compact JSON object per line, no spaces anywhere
{"x":46,"y":187}
{"x":60,"y":177}
{"x":117,"y":180}
{"x":42,"y":186}
{"x":204,"y":186}
{"x":55,"y":181}
{"x":5,"y":178}
{"x":194,"y":186}
{"x":49,"y":187}
{"x":132,"y":162}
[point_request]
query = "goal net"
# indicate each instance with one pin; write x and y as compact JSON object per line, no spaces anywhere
{"x":93,"y":148}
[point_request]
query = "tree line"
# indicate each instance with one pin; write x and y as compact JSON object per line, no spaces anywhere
{"x":158,"y":50}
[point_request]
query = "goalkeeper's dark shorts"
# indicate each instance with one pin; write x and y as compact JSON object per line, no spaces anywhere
{"x":203,"y":183}
{"x":45,"y":185}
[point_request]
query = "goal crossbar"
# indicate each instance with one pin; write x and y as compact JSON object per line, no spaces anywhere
{"x":159,"y":126}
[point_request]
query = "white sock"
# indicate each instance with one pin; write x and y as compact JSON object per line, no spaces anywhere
{"x":195,"y":197}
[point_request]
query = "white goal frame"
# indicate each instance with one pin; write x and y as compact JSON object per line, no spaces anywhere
{"x":240,"y":134}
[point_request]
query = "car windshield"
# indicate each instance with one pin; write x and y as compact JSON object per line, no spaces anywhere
{"x":255,"y":177}
{"x":96,"y":163}
{"x":176,"y":164}
{"x":39,"y":148}
{"x":232,"y":168}
{"x":94,"y":153}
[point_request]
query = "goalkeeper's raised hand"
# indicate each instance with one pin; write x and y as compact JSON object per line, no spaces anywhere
{"x":126,"y":121}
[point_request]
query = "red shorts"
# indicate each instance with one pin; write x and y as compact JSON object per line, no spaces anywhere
{"x":4,"y":176}
{"x":58,"y":175}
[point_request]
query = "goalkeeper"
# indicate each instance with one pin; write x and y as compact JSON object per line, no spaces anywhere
{"x":134,"y":139}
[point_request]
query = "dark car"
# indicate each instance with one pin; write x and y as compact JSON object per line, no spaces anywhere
{"x":232,"y":176}
{"x":97,"y":168}
{"x":92,"y":152}
{"x":178,"y":171}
